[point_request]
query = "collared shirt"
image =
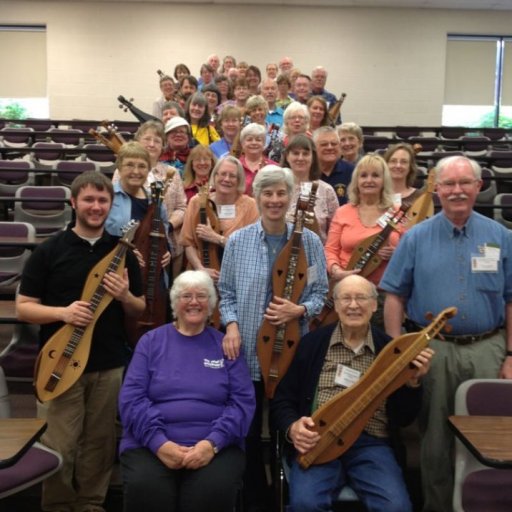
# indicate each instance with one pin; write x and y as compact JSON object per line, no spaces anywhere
{"x":244,"y":279}
{"x":329,"y":97}
{"x":339,"y":353}
{"x":275,"y":116}
{"x":220,"y":148}
{"x":121,"y":212}
{"x":339,"y":179}
{"x":433,"y":268}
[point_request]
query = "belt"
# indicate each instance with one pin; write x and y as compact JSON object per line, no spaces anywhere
{"x":462,"y":339}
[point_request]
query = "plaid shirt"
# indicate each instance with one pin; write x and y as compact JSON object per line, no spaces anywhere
{"x":340,"y":353}
{"x":244,"y":283}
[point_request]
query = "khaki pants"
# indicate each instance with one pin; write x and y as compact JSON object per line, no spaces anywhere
{"x":451,"y":365}
{"x":81,"y":427}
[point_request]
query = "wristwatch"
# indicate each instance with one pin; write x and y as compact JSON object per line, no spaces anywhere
{"x":214,"y":447}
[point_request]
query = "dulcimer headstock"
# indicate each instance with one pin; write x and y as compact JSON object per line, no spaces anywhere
{"x":108,"y":135}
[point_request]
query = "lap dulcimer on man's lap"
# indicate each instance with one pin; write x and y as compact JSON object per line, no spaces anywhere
{"x":341,"y":420}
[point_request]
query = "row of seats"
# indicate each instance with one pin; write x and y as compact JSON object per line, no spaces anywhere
{"x":442,"y":132}
{"x":26,"y":137}
{"x":82,"y":125}
{"x":44,"y":155}
{"x":471,"y":146}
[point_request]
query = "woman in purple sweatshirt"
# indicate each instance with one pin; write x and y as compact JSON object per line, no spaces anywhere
{"x":186,"y":410}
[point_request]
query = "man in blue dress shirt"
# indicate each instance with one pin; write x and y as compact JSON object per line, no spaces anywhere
{"x":456,"y":258}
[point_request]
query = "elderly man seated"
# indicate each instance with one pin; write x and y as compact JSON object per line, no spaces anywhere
{"x":327,"y":361}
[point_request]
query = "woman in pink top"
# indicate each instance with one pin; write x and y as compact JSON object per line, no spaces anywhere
{"x":370,"y":200}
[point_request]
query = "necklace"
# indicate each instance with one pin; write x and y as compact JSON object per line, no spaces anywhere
{"x":275,"y":242}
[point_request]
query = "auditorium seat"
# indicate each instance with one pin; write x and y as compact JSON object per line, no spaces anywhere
{"x":12,"y":259}
{"x":67,"y":170}
{"x":16,"y":137}
{"x":14,"y":174}
{"x":480,"y":488}
{"x":48,"y":216}
{"x":47,"y":154}
{"x":475,"y":146}
{"x":503,"y":214}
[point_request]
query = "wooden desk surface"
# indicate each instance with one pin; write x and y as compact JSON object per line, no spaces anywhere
{"x":489,"y":438}
{"x":17,"y":435}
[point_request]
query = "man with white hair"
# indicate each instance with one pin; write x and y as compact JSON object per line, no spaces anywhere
{"x":214,"y":62}
{"x":285,"y":65}
{"x":456,"y":258}
{"x":318,"y":81}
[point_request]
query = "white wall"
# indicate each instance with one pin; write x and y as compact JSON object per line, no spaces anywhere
{"x":390,"y":62}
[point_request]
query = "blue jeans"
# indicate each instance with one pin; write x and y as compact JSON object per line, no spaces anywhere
{"x":369,"y":467}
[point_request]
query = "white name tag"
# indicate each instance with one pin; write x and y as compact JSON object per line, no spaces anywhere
{"x":492,"y":252}
{"x":305,"y":188}
{"x":483,"y":264}
{"x":346,"y":376}
{"x":226,"y":211}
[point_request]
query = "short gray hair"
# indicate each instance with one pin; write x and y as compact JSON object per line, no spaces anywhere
{"x":324,"y":129}
{"x":254,"y":129}
{"x":271,"y":175}
{"x":351,"y":128}
{"x":239,"y":171}
{"x":292,"y":109}
{"x":449,"y":160}
{"x":193,"y":279}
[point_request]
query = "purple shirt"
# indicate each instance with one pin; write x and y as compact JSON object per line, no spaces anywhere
{"x":182,"y":389}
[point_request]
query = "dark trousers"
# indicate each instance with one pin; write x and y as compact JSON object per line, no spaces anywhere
{"x":256,"y":489}
{"x":151,"y":486}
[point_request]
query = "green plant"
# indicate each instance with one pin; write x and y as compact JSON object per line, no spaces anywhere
{"x":13,"y":111}
{"x":487,"y":121}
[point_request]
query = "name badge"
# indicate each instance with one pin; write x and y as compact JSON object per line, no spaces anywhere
{"x":483,"y":264}
{"x":346,"y":376}
{"x":226,"y":211}
{"x":492,"y":251}
{"x":305,"y":188}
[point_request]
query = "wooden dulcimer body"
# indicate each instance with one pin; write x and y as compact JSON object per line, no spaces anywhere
{"x":365,"y":257}
{"x":276,"y":345}
{"x":152,"y":242}
{"x":423,"y":207}
{"x":209,"y":252}
{"x":341,"y":420}
{"x":63,"y":358}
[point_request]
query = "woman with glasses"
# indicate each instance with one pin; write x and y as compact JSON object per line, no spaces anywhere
{"x":185,"y":410}
{"x":151,"y":137}
{"x":368,"y":211}
{"x":295,"y":121}
{"x":300,"y":157}
{"x":231,"y":208}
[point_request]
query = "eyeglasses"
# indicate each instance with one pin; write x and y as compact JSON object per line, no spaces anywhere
{"x":131,"y":167}
{"x":154,"y":140}
{"x":178,"y":132}
{"x":346,"y":300}
{"x":463,"y":184}
{"x":189,"y":297}
{"x":297,"y":118}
